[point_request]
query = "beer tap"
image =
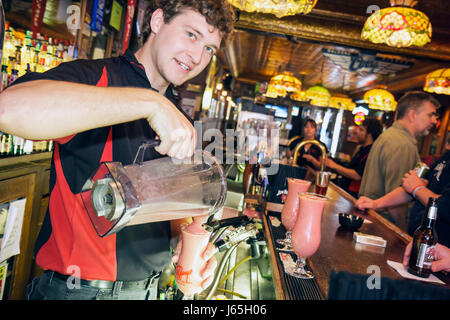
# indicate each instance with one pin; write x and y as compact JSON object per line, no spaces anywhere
{"x":316,"y":143}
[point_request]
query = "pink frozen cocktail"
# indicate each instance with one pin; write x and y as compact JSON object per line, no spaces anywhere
{"x":306,"y":233}
{"x":290,"y":209}
{"x":194,"y":241}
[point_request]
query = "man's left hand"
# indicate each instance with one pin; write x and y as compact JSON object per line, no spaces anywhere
{"x":411,"y":180}
{"x":210,"y":265}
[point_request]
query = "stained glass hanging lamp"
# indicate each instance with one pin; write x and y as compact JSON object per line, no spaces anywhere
{"x":281,"y":84}
{"x":279,"y":8}
{"x":380,"y":99}
{"x":438,"y":81}
{"x":319,"y":95}
{"x":398,"y":26}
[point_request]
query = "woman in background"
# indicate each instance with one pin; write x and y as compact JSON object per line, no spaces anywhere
{"x":308,"y":150}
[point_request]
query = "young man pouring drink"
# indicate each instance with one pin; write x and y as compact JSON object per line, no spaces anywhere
{"x":101,"y":110}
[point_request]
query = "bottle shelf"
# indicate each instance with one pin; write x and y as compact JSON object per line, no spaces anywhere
{"x":25,"y":158}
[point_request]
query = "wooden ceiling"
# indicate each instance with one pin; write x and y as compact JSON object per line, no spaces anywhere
{"x":264,"y":45}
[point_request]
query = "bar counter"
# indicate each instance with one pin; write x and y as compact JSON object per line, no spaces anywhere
{"x":337,"y":249}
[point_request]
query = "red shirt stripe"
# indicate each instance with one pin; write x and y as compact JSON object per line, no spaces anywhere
{"x":74,"y":241}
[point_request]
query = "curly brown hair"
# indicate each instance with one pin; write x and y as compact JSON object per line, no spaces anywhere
{"x":218,"y":13}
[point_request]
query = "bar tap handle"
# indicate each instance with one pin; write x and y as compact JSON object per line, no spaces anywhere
{"x":238,"y":235}
{"x":235,"y":222}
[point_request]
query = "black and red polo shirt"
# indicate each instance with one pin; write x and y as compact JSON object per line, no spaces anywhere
{"x":67,"y":239}
{"x":358,"y":163}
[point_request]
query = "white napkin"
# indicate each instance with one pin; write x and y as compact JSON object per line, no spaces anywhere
{"x":274,"y":220}
{"x":400,"y":268}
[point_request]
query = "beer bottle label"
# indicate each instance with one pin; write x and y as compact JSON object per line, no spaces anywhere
{"x":432,"y":213}
{"x":425,"y":256}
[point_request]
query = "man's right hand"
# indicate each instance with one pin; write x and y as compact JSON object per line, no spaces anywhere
{"x":178,"y":136}
{"x":442,"y":257}
{"x":365,"y":203}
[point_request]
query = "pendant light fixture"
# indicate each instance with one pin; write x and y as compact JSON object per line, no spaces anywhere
{"x":398,"y":26}
{"x":438,"y":81}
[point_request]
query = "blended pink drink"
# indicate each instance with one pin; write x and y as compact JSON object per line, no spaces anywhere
{"x":290,"y":209}
{"x":194,"y":241}
{"x":306,"y":233}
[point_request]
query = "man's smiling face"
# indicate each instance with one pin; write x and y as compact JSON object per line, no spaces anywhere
{"x":183,"y":47}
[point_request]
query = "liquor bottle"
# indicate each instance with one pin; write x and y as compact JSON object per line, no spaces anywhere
{"x":4,"y":77}
{"x":264,"y":183}
{"x":49,"y":56}
{"x":42,"y":56}
{"x":256,"y":175}
{"x":10,"y":145}
{"x":11,"y":65}
{"x":50,"y":146}
{"x":9,"y":45}
{"x":27,"y":55}
{"x":14,"y":76}
{"x":35,"y":64}
{"x":18,"y":54}
{"x":3,"y":144}
{"x":28,"y":147}
{"x":255,"y":184}
{"x":424,"y":243}
{"x":18,"y":143}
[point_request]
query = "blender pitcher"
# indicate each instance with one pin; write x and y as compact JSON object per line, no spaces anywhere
{"x":157,"y":190}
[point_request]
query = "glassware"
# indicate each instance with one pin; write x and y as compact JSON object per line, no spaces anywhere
{"x":158,"y":190}
{"x":306,"y":233}
{"x":290,"y":209}
{"x":322,"y":181}
{"x":194,"y":239}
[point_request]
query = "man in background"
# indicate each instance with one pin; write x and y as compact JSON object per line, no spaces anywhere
{"x":436,"y":184}
{"x":395,"y":151}
{"x":365,"y":135}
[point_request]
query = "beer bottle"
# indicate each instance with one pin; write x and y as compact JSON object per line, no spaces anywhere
{"x":424,"y":243}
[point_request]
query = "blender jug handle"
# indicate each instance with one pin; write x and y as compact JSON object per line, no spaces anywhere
{"x":139,"y":158}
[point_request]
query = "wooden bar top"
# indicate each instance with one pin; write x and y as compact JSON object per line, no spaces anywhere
{"x":338,"y":251}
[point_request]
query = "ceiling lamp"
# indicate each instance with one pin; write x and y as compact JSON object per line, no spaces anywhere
{"x":281,"y":84}
{"x":272,"y":92}
{"x":398,"y":26}
{"x":341,"y":101}
{"x":279,"y":8}
{"x":286,"y":82}
{"x":438,"y":82}
{"x":380,"y":99}
{"x":319,"y":95}
{"x":299,"y":96}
